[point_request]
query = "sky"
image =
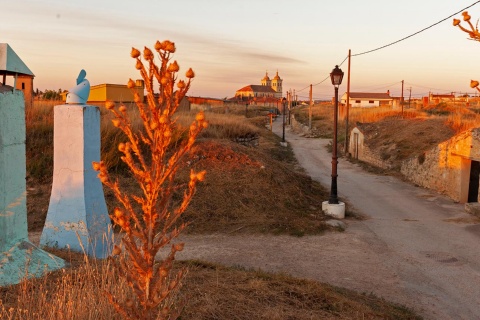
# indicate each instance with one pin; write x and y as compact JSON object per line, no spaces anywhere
{"x":231,"y":44}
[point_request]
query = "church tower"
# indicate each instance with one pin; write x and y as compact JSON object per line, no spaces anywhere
{"x":266,"y":80}
{"x":277,"y":86}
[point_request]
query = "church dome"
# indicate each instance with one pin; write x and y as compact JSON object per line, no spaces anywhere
{"x":266,"y":78}
{"x":276,"y":77}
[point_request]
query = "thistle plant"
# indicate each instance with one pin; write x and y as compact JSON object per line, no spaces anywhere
{"x":473,"y":33}
{"x":153,"y":159}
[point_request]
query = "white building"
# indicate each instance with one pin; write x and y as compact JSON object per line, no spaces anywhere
{"x":367,"y":100}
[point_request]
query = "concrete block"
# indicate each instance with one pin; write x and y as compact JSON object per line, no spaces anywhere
{"x":334,"y":210}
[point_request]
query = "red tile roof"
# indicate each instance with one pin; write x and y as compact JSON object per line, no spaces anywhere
{"x":257,"y":88}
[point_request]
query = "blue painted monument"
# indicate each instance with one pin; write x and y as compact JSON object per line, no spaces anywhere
{"x":77,"y":216}
{"x":19,"y":257}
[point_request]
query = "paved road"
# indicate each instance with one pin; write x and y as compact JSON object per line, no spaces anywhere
{"x":420,"y":234}
{"x":416,"y":247}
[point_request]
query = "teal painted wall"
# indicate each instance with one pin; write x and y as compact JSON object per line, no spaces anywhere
{"x":19,"y":258}
{"x":13,"y":222}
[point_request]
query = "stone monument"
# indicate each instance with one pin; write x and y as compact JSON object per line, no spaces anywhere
{"x":77,"y":215}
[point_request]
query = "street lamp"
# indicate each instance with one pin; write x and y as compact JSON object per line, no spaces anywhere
{"x":336,"y":76}
{"x":284,"y":103}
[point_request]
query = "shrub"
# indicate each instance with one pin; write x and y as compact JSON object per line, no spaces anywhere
{"x":153,"y":158}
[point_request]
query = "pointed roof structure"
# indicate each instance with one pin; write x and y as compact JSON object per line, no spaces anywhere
{"x":10,"y":62}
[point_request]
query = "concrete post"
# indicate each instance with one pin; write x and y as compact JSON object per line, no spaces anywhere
{"x":19,"y":258}
{"x":77,"y":215}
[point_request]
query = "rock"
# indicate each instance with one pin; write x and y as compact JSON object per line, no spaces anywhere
{"x":336,"y":223}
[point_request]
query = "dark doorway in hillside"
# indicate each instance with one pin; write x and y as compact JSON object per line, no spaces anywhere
{"x":474,"y":181}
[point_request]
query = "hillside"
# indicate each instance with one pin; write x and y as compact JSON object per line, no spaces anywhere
{"x":247,"y":188}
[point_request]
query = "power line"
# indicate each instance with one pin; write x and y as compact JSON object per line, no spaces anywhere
{"x":395,"y":42}
{"x":414,"y":34}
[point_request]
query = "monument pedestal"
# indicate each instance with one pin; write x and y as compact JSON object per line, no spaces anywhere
{"x":19,"y":257}
{"x":77,"y":216}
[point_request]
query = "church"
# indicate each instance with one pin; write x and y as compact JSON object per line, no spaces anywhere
{"x":269,"y":88}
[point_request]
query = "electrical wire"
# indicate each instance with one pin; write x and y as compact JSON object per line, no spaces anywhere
{"x":395,"y":42}
{"x":414,"y":34}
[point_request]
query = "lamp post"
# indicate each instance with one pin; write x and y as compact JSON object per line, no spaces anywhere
{"x":284,"y":103}
{"x":336,"y":76}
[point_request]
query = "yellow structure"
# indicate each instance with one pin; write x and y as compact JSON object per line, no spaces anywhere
{"x":113,"y":92}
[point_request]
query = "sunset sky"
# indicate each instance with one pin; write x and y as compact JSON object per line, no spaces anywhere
{"x":230,"y":44}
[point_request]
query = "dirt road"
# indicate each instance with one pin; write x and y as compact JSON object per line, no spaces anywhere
{"x":417,"y":248}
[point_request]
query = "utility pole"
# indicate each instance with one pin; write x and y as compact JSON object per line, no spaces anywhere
{"x":401,"y":99}
{"x":289,"y":97}
{"x":348,"y":101}
{"x":294,"y":99}
{"x":310,"y":109}
{"x":409,"y":97}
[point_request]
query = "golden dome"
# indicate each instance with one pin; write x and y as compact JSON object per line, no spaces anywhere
{"x":276,"y":77}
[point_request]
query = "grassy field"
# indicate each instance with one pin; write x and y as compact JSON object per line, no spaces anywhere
{"x":249,"y":189}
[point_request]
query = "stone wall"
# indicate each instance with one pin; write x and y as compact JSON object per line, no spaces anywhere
{"x":296,"y":126}
{"x":446,"y":167}
{"x":359,"y":150}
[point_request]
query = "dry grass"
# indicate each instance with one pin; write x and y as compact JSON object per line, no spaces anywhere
{"x":73,"y":293}
{"x":396,"y":135}
{"x":238,"y":193}
{"x":210,"y":292}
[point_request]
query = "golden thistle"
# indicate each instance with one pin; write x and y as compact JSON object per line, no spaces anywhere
{"x":200,"y":116}
{"x":173,"y":67}
{"x":116,"y":123}
{"x":109,"y":105}
{"x":158,"y":46}
{"x":131,"y":84}
{"x":122,"y":108}
{"x":201,"y":175}
{"x":147,"y":54}
{"x":474,"y":83}
{"x":190,"y":74}
{"x":135,"y":53}
{"x":466,"y":16}
{"x":116,"y":250}
{"x":181,"y":84}
{"x":138,"y":65}
{"x":456,"y":22}
{"x":96,"y":166}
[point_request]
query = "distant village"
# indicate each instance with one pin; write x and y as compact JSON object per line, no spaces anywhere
{"x":267,"y":93}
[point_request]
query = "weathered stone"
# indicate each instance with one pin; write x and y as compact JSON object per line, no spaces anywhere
{"x":473,"y":208}
{"x":336,"y":224}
